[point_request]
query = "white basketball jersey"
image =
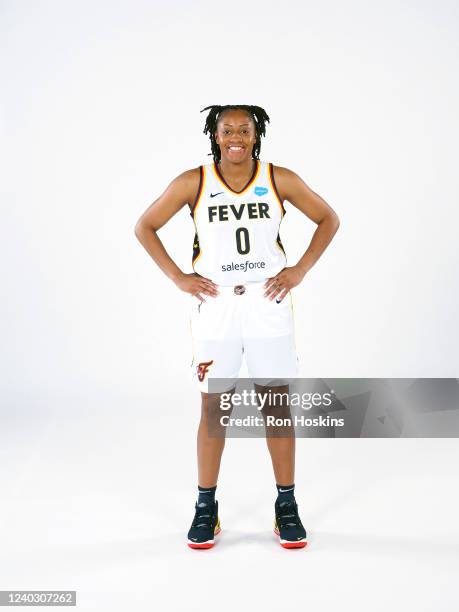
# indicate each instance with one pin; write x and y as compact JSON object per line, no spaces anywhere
{"x":237,"y":232}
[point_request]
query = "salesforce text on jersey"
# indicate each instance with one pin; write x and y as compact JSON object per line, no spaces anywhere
{"x":247,"y":265}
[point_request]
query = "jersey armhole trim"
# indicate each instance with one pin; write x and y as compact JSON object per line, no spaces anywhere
{"x":273,"y":184}
{"x":199,"y":192}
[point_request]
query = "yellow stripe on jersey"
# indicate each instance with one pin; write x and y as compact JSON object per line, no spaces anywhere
{"x":196,"y":246}
{"x":196,"y":249}
{"x":202,"y":184}
{"x":274,"y":188}
{"x":279,"y":245}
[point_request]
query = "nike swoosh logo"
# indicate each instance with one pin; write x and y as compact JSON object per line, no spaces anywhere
{"x":284,"y":490}
{"x":212,"y":195}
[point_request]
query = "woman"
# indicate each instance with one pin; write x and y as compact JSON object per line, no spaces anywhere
{"x":240,"y":290}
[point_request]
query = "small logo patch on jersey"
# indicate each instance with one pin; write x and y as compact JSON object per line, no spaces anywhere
{"x":259,"y":191}
{"x":212,"y":195}
{"x":203,"y":368}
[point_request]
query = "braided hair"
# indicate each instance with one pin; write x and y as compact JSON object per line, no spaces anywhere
{"x":258,"y":115}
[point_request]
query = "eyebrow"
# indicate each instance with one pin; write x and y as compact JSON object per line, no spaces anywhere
{"x":241,"y":125}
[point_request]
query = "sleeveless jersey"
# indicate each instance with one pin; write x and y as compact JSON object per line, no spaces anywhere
{"x":237,"y":232}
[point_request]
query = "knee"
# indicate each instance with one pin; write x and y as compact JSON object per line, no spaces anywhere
{"x":213,"y":407}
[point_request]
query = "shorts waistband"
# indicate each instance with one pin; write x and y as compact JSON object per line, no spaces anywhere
{"x":253,"y":287}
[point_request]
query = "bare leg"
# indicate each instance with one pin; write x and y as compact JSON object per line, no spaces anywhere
{"x":210,"y":448}
{"x":280,"y":439}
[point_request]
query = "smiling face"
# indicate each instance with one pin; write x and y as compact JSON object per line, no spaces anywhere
{"x":236,"y":136}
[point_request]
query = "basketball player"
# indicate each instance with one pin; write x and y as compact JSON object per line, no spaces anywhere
{"x":240,"y":300}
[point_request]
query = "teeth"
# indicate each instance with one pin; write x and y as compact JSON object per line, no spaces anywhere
{"x":235,"y":148}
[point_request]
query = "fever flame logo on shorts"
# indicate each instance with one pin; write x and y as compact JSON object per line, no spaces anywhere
{"x":202,"y":369}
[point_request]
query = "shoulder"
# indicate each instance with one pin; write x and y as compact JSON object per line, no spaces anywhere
{"x":189,"y":183}
{"x":189,"y":177}
{"x":282,"y":173}
{"x":284,"y":179}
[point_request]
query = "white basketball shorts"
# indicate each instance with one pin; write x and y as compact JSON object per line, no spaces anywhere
{"x":240,"y":322}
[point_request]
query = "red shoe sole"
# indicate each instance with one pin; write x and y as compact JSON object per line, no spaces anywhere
{"x":204,"y":545}
{"x":290,"y":544}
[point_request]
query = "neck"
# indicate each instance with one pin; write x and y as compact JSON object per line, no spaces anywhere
{"x":231,"y":170}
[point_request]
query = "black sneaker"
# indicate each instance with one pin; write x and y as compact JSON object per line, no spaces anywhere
{"x":205,"y":526}
{"x":288,"y":525}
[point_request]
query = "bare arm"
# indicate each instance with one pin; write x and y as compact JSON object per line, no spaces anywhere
{"x":292,"y":188}
{"x":179,"y":193}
